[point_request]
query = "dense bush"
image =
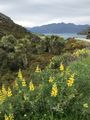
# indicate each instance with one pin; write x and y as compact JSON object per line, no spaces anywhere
{"x":56,"y":60}
{"x":48,"y":95}
{"x":68,"y":57}
{"x":29,"y":51}
{"x":56,"y":45}
{"x":88,"y":36}
{"x":82,"y":69}
{"x":14,"y":52}
{"x":73,"y":44}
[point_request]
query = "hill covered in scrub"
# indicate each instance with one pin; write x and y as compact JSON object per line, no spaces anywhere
{"x":7,"y":26}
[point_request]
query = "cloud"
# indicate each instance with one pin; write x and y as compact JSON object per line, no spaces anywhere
{"x":37,"y":12}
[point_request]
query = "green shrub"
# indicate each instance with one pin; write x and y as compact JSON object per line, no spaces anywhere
{"x":82,"y":69}
{"x":82,"y":53}
{"x":48,"y":95}
{"x":73,"y":44}
{"x":66,"y":58}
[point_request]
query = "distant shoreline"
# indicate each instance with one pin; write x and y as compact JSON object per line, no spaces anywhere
{"x":69,"y":35}
{"x":83,"y":39}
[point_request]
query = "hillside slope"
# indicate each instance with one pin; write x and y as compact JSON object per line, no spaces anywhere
{"x":7,"y":26}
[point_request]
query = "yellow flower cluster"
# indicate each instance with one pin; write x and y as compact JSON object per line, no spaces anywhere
{"x":54,"y":91}
{"x":10,"y":117}
{"x":38,"y":69}
{"x":85,"y":105}
{"x":61,"y":67}
{"x":16,"y":84}
{"x":31,"y":86}
{"x":20,"y":76}
{"x":51,"y":79}
{"x":70,"y":81}
{"x":23,"y":82}
{"x":80,"y":52}
{"x":5,"y":93}
{"x":9,"y":92}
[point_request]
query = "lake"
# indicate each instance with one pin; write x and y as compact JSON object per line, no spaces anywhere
{"x":68,"y":35}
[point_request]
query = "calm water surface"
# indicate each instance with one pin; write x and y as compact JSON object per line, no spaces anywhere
{"x":68,"y":35}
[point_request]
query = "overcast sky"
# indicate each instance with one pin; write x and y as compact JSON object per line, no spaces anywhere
{"x":37,"y":12}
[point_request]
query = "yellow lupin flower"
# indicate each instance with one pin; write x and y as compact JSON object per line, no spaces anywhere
{"x":9,"y":92}
{"x":3,"y":93}
{"x":61,"y":67}
{"x":1,"y":97}
{"x":37,"y":69}
{"x":70,"y":81}
{"x":16,"y":84}
{"x":20,"y":74}
{"x":6,"y":117}
{"x":54,"y":91}
{"x":10,"y":117}
{"x":4,"y":90}
{"x":23,"y":82}
{"x":85,"y":105}
{"x":31,"y":86}
{"x":72,"y":76}
{"x":51,"y":79}
{"x":0,"y":94}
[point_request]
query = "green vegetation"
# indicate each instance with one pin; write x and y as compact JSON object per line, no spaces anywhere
{"x":44,"y":78}
{"x":88,"y":33}
{"x":26,"y":53}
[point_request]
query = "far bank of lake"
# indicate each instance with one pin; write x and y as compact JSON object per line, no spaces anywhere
{"x":69,"y":35}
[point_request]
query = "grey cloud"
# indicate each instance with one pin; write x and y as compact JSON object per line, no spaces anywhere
{"x":43,"y":11}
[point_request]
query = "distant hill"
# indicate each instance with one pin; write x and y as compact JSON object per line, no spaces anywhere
{"x":59,"y":28}
{"x":7,"y":26}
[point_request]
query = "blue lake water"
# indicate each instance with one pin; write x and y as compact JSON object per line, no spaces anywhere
{"x":69,"y":35}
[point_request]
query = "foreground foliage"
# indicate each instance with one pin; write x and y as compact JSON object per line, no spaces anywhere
{"x":50,"y":91}
{"x":27,"y":52}
{"x":48,"y":95}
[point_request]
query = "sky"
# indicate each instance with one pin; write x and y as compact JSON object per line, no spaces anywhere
{"x":31,"y":13}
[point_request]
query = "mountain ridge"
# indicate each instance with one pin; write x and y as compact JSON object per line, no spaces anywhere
{"x":59,"y":28}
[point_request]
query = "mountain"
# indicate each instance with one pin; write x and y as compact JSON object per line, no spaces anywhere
{"x":59,"y":28}
{"x":7,"y":26}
